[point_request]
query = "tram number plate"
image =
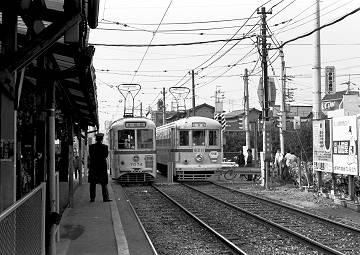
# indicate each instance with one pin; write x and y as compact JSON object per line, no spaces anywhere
{"x":136,"y":164}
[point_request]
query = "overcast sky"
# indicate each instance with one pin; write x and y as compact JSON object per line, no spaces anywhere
{"x":220,"y":64}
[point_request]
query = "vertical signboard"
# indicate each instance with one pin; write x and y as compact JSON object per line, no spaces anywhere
{"x":344,"y":145}
{"x":330,"y":79}
{"x":322,"y":145}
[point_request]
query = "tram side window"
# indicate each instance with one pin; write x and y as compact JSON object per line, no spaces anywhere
{"x":198,"y":137}
{"x":145,"y":139}
{"x":126,"y":139}
{"x":184,"y":138}
{"x":212,"y":137}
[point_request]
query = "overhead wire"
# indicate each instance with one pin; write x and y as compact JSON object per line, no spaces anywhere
{"x":175,"y":23}
{"x":321,"y":27}
{"x":311,"y":20}
{"x":167,"y":44}
{"x":151,"y":41}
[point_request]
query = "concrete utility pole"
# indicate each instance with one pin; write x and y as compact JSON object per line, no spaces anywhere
{"x":164,"y":107}
{"x":266,"y":126}
{"x":193,"y":91}
{"x":246,"y":109}
{"x":282,"y":103}
{"x":317,"y":77}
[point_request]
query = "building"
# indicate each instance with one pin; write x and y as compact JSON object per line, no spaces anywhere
{"x":203,"y":110}
{"x":292,"y":110}
{"x":235,"y":120}
{"x":341,"y":103}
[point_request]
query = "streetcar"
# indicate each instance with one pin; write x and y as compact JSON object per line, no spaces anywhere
{"x":190,"y":147}
{"x":132,"y":150}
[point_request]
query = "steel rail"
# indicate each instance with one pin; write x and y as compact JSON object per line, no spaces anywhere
{"x":141,"y":225}
{"x":337,"y":224}
{"x":319,"y":246}
{"x":227,"y":242}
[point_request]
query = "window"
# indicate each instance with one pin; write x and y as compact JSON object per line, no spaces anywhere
{"x":184,"y":138}
{"x":198,"y":137}
{"x":145,"y":139}
{"x":212,"y":137}
{"x":126,"y":139}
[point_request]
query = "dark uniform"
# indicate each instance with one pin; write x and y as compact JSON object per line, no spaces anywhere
{"x":98,"y":153}
{"x":241,"y":159}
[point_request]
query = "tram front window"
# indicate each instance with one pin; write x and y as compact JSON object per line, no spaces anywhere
{"x":184,"y":138}
{"x":212,"y":137}
{"x":126,"y":139}
{"x":198,"y":137}
{"x":145,"y":139}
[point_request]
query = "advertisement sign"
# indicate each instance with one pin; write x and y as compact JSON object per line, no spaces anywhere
{"x":345,"y":145}
{"x":322,"y":145}
{"x":330,"y":79}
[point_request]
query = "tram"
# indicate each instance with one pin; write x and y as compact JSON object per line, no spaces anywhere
{"x":191,"y":147}
{"x":132,"y":150}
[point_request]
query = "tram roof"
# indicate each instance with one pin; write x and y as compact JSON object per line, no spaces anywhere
{"x":187,"y":123}
{"x":121,"y":122}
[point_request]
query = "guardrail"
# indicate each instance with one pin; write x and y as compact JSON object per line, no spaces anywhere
{"x":22,"y":225}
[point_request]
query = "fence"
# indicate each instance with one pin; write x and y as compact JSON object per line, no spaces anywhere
{"x":22,"y":226}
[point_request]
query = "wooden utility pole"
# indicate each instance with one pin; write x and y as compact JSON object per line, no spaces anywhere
{"x":266,"y":126}
{"x":193,"y":91}
{"x":246,"y":109}
{"x":164,"y":107}
{"x":282,"y":103}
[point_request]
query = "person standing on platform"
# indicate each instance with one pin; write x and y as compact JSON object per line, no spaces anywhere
{"x":77,"y":166}
{"x":241,"y":159}
{"x":98,"y":153}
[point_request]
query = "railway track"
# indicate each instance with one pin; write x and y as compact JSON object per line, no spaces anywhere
{"x":340,"y":237}
{"x":251,"y":234}
{"x":169,"y":228}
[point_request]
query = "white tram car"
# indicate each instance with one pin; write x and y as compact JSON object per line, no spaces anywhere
{"x":132,"y":150}
{"x":192,"y":146}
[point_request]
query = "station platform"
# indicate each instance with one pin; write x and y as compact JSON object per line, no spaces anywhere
{"x":92,"y":227}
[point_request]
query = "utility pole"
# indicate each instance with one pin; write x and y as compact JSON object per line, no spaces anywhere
{"x":164,"y":107}
{"x":266,"y":124}
{"x":141,"y":109}
{"x":317,"y":76}
{"x":246,"y":109}
{"x":193,"y":91}
{"x":282,"y":103}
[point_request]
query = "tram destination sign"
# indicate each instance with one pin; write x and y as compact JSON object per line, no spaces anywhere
{"x":135,"y":124}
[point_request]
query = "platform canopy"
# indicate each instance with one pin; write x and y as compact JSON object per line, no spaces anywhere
{"x":48,"y":38}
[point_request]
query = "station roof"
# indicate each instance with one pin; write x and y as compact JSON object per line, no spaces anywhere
{"x":41,"y":27}
{"x":338,"y":95}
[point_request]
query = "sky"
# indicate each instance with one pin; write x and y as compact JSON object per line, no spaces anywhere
{"x":157,"y":44}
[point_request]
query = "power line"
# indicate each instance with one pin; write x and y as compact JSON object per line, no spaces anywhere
{"x":321,"y":27}
{"x":151,"y":41}
{"x":136,"y":29}
{"x":174,"y":23}
{"x":167,"y":44}
{"x":311,"y":20}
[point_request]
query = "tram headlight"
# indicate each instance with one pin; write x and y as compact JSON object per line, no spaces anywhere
{"x":199,"y":157}
{"x":136,"y":158}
